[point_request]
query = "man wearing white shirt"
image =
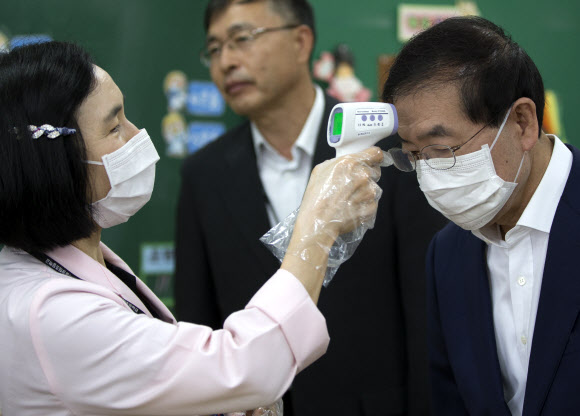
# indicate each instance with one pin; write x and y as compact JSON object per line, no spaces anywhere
{"x":258,"y":54}
{"x":285,"y":180}
{"x":503,"y":286}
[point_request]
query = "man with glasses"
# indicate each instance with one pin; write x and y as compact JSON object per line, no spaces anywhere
{"x":236,"y":188}
{"x":503,"y":281}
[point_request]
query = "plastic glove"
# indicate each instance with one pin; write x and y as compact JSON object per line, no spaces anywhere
{"x":341,"y":195}
{"x":339,"y":204}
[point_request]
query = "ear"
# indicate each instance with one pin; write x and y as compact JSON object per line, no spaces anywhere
{"x":304,"y":41}
{"x":524,"y":111}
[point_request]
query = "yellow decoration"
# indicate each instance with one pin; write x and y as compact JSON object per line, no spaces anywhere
{"x":552,"y":123}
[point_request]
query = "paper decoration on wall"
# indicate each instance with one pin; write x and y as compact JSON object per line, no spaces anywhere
{"x":7,"y":43}
{"x":23,"y":40}
{"x":4,"y":43}
{"x":467,"y":8}
{"x":173,"y":129}
{"x":552,"y":122}
{"x":413,"y":18}
{"x":156,"y":269}
{"x":204,"y":99}
{"x":200,"y":133}
{"x":186,"y":98}
{"x":337,"y":69}
{"x":175,"y":88}
{"x":324,"y":67}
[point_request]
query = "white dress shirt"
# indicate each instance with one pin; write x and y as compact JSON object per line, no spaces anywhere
{"x":285,"y":180}
{"x":516,"y":267}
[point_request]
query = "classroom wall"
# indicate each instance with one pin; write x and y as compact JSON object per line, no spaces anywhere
{"x":139,"y":41}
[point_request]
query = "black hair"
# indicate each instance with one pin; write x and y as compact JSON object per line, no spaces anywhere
{"x":294,"y":11}
{"x":492,"y":70}
{"x":44,"y":183}
{"x":343,"y":54}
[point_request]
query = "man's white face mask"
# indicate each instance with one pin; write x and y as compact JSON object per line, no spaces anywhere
{"x":470,"y":193}
{"x":131,"y":172}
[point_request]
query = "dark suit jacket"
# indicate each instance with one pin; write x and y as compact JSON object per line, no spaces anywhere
{"x":375,"y":305}
{"x":466,"y":377}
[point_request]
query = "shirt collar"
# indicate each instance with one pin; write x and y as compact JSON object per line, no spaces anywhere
{"x":540,"y":211}
{"x":308,"y":136}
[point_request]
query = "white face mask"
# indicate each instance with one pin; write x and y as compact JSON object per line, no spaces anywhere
{"x":131,"y":172}
{"x":470,"y":193}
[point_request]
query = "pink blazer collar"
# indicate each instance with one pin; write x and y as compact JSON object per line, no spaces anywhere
{"x":92,"y":271}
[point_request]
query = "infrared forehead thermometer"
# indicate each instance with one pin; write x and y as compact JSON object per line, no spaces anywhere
{"x":353,"y":127}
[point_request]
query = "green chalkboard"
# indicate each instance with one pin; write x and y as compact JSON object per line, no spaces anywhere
{"x":140,"y":41}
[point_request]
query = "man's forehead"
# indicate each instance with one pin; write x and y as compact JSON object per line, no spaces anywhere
{"x":428,"y":102}
{"x":430,"y":113}
{"x":430,"y":91}
{"x":242,"y":14}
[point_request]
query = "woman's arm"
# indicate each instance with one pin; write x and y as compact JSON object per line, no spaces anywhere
{"x":341,"y":195}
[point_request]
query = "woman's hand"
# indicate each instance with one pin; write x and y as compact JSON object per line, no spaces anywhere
{"x":341,"y":195}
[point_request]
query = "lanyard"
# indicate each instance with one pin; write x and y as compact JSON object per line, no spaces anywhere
{"x":56,"y":266}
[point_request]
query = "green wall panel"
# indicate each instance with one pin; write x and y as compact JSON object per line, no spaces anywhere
{"x":139,"y":41}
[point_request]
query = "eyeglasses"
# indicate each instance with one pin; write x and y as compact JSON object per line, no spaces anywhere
{"x":437,"y":156}
{"x":240,"y":40}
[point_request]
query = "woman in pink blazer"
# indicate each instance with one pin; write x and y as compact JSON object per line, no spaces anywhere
{"x":81,"y":335}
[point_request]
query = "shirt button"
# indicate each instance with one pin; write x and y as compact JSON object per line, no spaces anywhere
{"x":522,"y":281}
{"x":524,"y":339}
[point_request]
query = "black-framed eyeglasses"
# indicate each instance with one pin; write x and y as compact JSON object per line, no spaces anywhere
{"x":437,"y":156}
{"x":239,"y":40}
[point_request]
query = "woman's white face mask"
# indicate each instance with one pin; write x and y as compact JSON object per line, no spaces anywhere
{"x":470,"y":194}
{"x":131,"y":172}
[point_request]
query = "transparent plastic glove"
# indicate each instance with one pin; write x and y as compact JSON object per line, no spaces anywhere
{"x":387,"y":160}
{"x":338,"y":207}
{"x":276,"y":409}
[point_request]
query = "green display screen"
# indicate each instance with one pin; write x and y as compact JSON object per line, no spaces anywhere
{"x":337,"y":125}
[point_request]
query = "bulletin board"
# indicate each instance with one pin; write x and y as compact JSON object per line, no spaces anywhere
{"x":139,"y":42}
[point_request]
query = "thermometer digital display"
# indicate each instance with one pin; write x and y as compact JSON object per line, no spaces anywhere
{"x":353,"y":127}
